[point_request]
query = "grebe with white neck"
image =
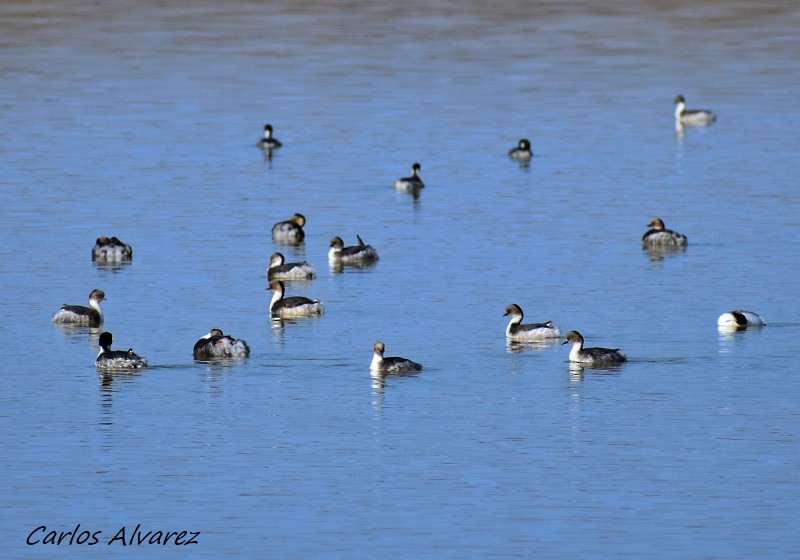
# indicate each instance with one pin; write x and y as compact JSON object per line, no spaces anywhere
{"x":591,"y":356}
{"x":739,"y":319}
{"x":217,"y":345}
{"x":80,"y":315}
{"x":530,"y":332}
{"x":692,"y":117}
{"x":522,"y":152}
{"x":392,"y":364}
{"x":109,"y":359}
{"x":290,"y":231}
{"x":293,"y":306}
{"x":412,"y":184}
{"x":659,"y":236}
{"x":360,"y":253}
{"x":280,"y":270}
{"x":111,"y":249}
{"x":268,"y":141}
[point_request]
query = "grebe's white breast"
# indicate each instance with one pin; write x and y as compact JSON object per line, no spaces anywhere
{"x":79,"y":315}
{"x":268,"y":141}
{"x":110,"y":360}
{"x":522,"y":152}
{"x":660,"y":236}
{"x":111,"y":249}
{"x":530,"y":332}
{"x":739,"y":319}
{"x":592,"y":356}
{"x":391,"y":364}
{"x":360,"y":253}
{"x":294,"y":306}
{"x":291,"y":230}
{"x":692,"y":117}
{"x":217,"y":345}
{"x":280,"y":270}
{"x":412,"y":183}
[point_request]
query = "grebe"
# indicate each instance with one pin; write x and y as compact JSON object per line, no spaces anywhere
{"x":522,"y":152}
{"x":218,"y":345}
{"x":293,"y":306}
{"x":111,"y":249}
{"x":391,"y":364}
{"x":354,"y":254}
{"x":116,"y":359}
{"x":531,"y":332}
{"x":268,"y":142}
{"x":659,"y":236}
{"x":280,"y":270}
{"x":692,"y":117}
{"x":591,"y":356}
{"x":410,"y":184}
{"x":291,"y":230}
{"x":79,"y":315}
{"x":739,"y":319}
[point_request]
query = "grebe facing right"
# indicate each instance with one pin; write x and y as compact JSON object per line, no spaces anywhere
{"x":280,"y":270}
{"x":294,"y":306}
{"x":522,"y":152}
{"x":111,"y":249}
{"x":591,"y":356}
{"x":268,"y":142}
{"x":80,"y":315}
{"x":531,"y":332}
{"x":695,"y":117}
{"x":410,"y":184}
{"x":738,"y":319}
{"x":659,"y":236}
{"x":109,"y":359}
{"x":290,"y":231}
{"x":392,"y":364}
{"x":216,"y":345}
{"x":360,"y":253}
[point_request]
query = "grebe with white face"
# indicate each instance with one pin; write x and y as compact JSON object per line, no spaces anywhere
{"x":290,"y":231}
{"x":591,"y":356}
{"x":360,"y":253}
{"x":280,"y":270}
{"x":522,"y":152}
{"x":692,"y":117}
{"x":392,"y":364}
{"x":412,"y":184}
{"x":739,"y":320}
{"x":216,"y":345}
{"x":80,"y":315}
{"x":268,"y":142}
{"x":111,"y":249}
{"x":659,"y":236}
{"x":109,"y":359}
{"x":293,"y":306}
{"x":530,"y":332}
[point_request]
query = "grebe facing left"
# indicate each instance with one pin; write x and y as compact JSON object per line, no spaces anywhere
{"x":109,"y":359}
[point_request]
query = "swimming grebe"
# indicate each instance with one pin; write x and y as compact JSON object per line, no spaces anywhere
{"x":694,"y":116}
{"x":391,"y":364}
{"x":531,"y":332}
{"x":659,"y":236}
{"x":410,"y":184}
{"x":280,"y":270}
{"x":79,"y":315}
{"x":592,"y":356}
{"x":294,"y":306}
{"x":267,"y":141}
{"x":116,"y":359}
{"x":522,"y":152}
{"x":217,"y":345}
{"x":291,"y":230}
{"x":354,"y":254}
{"x":111,"y":249}
{"x":739,"y":319}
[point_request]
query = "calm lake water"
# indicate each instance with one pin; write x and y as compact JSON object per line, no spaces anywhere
{"x":140,"y":121}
